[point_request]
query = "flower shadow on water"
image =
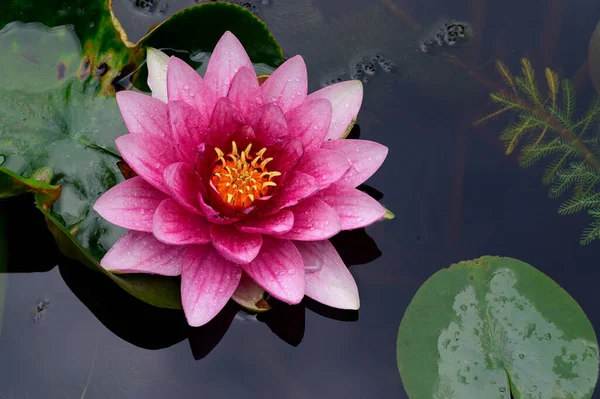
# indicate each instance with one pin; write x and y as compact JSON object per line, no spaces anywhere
{"x":149,"y":327}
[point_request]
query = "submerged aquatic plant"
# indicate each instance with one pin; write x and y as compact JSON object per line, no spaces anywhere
{"x":237,"y":178}
{"x":554,"y":131}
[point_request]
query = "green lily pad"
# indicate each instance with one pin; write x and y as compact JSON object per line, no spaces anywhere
{"x":197,"y":29}
{"x":52,"y":132}
{"x":104,"y":54}
{"x":495,"y":327}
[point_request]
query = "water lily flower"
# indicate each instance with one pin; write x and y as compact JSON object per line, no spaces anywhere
{"x":238,"y":177}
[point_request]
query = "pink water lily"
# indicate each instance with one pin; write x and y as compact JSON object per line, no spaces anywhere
{"x":235,"y":177}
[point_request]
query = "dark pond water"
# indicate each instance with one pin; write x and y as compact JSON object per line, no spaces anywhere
{"x":69,"y":333}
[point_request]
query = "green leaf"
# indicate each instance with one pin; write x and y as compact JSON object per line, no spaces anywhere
{"x":592,"y":232}
{"x":496,"y":328}
{"x":13,"y":185}
{"x":104,"y":53}
{"x":51,"y":126}
{"x":197,"y":29}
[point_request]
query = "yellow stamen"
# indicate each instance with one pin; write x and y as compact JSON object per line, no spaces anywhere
{"x":242,"y":177}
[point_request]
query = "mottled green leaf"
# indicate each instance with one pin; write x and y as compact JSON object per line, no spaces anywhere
{"x":59,"y":127}
{"x":493,"y":327}
{"x":104,"y":53}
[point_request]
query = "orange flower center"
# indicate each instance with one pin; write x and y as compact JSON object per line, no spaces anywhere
{"x":242,"y":177}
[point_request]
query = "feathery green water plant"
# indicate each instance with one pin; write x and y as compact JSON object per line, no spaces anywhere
{"x":554,"y":132}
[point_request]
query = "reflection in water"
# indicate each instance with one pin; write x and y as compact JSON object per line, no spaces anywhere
{"x":153,"y":328}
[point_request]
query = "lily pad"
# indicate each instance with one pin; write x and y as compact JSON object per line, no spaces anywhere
{"x":104,"y":53}
{"x":496,"y":328}
{"x":52,"y":132}
{"x":181,"y":34}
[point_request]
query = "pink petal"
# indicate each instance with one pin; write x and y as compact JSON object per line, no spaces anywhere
{"x":213,"y":215}
{"x":287,"y":86}
{"x":130,"y":204}
{"x":325,"y":166}
{"x":184,"y":83}
{"x":310,"y":122}
{"x":138,"y":252}
{"x":184,"y":185}
{"x":245,"y":92}
{"x":279,"y":270}
{"x":148,"y":156}
{"x":355,"y":208}
{"x":278,"y":223}
{"x":366,"y":157}
{"x":345,"y":98}
{"x":189,"y":128}
{"x":157,"y":63}
{"x":225,"y":61}
{"x":143,"y":114}
{"x":330,"y":281}
{"x":269,"y":124}
{"x":288,"y":156}
{"x":234,"y":245}
{"x":314,"y":220}
{"x":207,"y":283}
{"x":172,"y":224}
{"x":226,"y":120}
{"x":297,"y":186}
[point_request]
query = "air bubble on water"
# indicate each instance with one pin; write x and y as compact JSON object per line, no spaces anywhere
{"x":40,"y":309}
{"x":147,"y":7}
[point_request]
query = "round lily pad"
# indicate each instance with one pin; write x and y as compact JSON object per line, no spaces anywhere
{"x":496,"y":328}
